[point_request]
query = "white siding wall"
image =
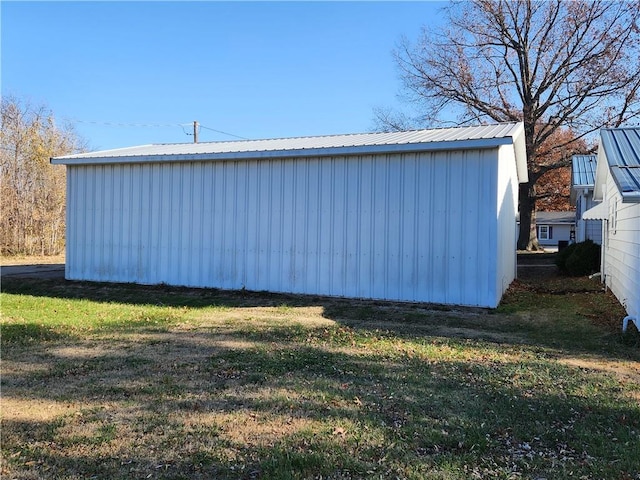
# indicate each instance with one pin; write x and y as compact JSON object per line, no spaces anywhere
{"x":506,"y":208}
{"x":415,"y":227}
{"x":622,"y":249}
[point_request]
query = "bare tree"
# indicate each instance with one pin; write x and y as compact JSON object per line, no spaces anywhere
{"x":553,"y":186}
{"x":553,"y":64}
{"x":32,"y":190}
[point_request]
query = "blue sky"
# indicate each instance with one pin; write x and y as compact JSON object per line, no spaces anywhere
{"x":253,"y":69}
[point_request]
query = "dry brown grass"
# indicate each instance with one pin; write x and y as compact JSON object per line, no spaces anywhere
{"x":32,"y":259}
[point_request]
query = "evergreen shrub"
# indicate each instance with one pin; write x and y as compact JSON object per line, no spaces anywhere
{"x":579,"y":259}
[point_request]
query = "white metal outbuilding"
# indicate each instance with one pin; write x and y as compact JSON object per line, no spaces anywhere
{"x":425,"y":215}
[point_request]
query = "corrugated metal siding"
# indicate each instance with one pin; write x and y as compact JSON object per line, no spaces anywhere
{"x":505,"y":223}
{"x":622,"y":249}
{"x":414,"y":226}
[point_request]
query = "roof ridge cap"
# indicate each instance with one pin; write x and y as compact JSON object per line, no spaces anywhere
{"x":352,"y":134}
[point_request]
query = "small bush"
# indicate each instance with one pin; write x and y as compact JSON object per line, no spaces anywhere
{"x":631,"y":337}
{"x":562,"y":255}
{"x":579,"y":259}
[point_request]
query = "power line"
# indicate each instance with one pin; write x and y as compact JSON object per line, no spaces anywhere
{"x":224,"y":133}
{"x":121,"y":124}
{"x":157,"y":125}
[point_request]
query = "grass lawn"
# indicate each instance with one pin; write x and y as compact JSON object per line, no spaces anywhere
{"x":120,"y":381}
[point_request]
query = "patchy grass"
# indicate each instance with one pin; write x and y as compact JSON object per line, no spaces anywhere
{"x":124,"y":381}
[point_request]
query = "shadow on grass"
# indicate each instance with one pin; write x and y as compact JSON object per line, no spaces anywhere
{"x":288,"y":405}
{"x":381,"y":393}
{"x":159,"y":295}
{"x":24,"y":333}
{"x":524,"y":317}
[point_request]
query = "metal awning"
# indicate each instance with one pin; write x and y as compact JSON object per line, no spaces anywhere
{"x":599,"y":212}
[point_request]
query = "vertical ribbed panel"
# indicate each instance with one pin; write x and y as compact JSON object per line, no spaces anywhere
{"x":505,"y":225}
{"x":415,"y":226}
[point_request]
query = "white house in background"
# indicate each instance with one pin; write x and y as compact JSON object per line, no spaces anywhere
{"x":426,"y":216}
{"x":555,"y":227}
{"x":617,"y":185}
{"x":583,"y":174}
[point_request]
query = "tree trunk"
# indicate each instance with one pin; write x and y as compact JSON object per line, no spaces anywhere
{"x":527,"y":235}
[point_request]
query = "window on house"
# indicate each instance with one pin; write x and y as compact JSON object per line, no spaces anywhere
{"x":544,"y":232}
{"x":614,"y":217}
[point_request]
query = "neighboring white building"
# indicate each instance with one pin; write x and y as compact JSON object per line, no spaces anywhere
{"x":555,"y":228}
{"x":583,"y":173}
{"x":617,"y":185}
{"x":425,"y":216}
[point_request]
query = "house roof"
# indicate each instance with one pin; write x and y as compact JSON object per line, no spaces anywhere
{"x":552,"y":218}
{"x":583,"y":170}
{"x":487,"y":136}
{"x":619,"y":151}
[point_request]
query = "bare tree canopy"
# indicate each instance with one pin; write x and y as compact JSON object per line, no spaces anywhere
{"x":555,"y":65}
{"x":32,"y":190}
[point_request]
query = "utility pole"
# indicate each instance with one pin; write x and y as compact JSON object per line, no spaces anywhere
{"x":195,"y":131}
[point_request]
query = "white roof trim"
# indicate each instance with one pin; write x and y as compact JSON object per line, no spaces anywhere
{"x":460,"y":138}
{"x":602,"y":170}
{"x":520,"y":147}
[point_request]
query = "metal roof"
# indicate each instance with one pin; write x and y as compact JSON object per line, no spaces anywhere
{"x":545,"y":218}
{"x":487,"y":136}
{"x":621,"y":147}
{"x":583,"y":170}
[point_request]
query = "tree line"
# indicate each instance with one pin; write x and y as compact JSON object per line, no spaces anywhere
{"x":32,"y":191}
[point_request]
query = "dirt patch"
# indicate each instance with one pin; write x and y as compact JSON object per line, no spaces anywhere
{"x":625,"y":371}
{"x":33,"y":409}
{"x":311,"y":316}
{"x":257,"y":428}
